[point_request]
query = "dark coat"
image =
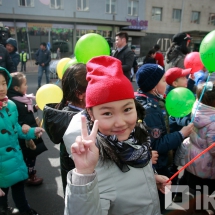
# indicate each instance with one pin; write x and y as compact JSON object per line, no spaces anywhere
{"x":5,"y":60}
{"x":15,"y":58}
{"x":43,"y":56}
{"x":126,"y":56}
{"x":161,"y":141}
{"x":27,"y":117}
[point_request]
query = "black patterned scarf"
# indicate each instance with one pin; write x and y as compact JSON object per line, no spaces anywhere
{"x":128,"y":152}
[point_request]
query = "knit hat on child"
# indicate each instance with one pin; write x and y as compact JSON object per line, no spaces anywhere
{"x":106,"y":81}
{"x":148,"y":76}
{"x":173,"y":73}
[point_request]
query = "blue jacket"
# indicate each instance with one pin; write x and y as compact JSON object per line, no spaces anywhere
{"x":43,"y":56}
{"x":15,"y":58}
{"x":161,"y":141}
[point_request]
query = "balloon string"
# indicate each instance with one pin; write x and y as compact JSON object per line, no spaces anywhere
{"x":190,"y":162}
{"x":200,"y":99}
{"x":57,"y":81}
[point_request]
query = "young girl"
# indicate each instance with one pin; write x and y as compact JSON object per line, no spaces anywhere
{"x":13,"y":170}
{"x":152,"y":85}
{"x":17,"y":93}
{"x":113,"y":173}
{"x":74,"y":86}
{"x":150,"y":57}
{"x":202,"y":171}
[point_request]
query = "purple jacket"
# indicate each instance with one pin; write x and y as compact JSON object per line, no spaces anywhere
{"x":201,"y":138}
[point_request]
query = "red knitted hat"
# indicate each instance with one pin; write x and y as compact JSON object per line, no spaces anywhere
{"x":106,"y":81}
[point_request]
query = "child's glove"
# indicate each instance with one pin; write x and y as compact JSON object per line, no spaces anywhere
{"x":1,"y":192}
{"x":25,"y":128}
{"x":39,"y":131}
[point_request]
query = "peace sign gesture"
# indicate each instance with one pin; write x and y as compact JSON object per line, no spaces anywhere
{"x":84,"y":151}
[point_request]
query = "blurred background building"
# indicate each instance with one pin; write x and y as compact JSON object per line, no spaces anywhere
{"x":60,"y":23}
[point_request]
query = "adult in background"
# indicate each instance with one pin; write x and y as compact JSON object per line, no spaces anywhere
{"x":23,"y":59}
{"x":135,"y":64}
{"x":11,"y":46}
{"x":5,"y":59}
{"x":124,"y":53}
{"x":43,"y":58}
{"x":158,"y":56}
{"x":177,"y":51}
{"x":58,"y":56}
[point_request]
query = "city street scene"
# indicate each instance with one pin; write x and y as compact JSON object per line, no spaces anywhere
{"x":107,"y":107}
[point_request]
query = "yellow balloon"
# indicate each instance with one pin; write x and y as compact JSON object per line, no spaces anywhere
{"x":47,"y":94}
{"x":61,"y":65}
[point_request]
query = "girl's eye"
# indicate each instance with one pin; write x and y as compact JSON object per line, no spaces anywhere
{"x":107,"y":114}
{"x":128,"y":109}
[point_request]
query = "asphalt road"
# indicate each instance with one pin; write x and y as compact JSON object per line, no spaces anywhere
{"x":46,"y":199}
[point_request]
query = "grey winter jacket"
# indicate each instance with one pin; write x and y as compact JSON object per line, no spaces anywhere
{"x":113,"y":192}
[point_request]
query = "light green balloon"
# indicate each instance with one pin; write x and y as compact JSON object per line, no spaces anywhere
{"x":70,"y":63}
{"x":207,"y":51}
{"x":89,"y":46}
{"x":179,"y":102}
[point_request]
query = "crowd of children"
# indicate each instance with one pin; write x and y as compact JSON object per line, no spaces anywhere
{"x":124,"y":143}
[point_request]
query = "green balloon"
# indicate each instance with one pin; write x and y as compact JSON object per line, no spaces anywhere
{"x":207,"y":51}
{"x":70,"y":63}
{"x":89,"y":46}
{"x":179,"y":102}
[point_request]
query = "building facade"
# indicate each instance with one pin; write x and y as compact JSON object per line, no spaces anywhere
{"x":60,"y":23}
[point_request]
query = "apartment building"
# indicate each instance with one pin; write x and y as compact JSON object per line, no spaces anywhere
{"x":61,"y":23}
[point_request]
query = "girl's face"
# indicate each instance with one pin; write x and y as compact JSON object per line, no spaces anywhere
{"x":115,"y":118}
{"x":23,"y":87}
{"x":161,"y":86}
{"x":3,"y":87}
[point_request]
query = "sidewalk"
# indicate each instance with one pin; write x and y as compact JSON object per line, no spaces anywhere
{"x":30,"y":66}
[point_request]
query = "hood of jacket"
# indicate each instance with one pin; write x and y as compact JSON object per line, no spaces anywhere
{"x":12,"y":42}
{"x":205,"y":115}
{"x":172,"y":53}
{"x":8,"y":75}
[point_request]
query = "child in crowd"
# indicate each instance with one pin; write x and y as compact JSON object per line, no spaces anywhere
{"x":150,"y":57}
{"x":152,"y":85}
{"x":17,"y":93}
{"x":74,"y":86}
{"x":177,"y":77}
{"x":202,"y":171}
{"x":13,"y":170}
{"x":112,"y":155}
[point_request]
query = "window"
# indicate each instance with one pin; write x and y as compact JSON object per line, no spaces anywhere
{"x":157,"y":13}
{"x":211,"y":20}
{"x":83,"y":5}
{"x":26,"y":3}
{"x":176,"y":15}
{"x":133,"y":7}
{"x":195,"y":18}
{"x":56,"y":4}
{"x":110,"y":6}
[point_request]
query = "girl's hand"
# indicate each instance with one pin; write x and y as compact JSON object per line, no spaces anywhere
{"x":36,"y":106}
{"x":39,"y":131}
{"x":161,"y":183}
{"x":25,"y":128}
{"x":1,"y":192}
{"x":154,"y":157}
{"x":84,"y":151}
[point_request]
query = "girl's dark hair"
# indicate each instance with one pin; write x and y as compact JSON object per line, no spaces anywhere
{"x":140,"y":134}
{"x":17,"y":79}
{"x":73,"y":83}
{"x":152,"y":51}
{"x":3,"y":73}
{"x":209,"y":96}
